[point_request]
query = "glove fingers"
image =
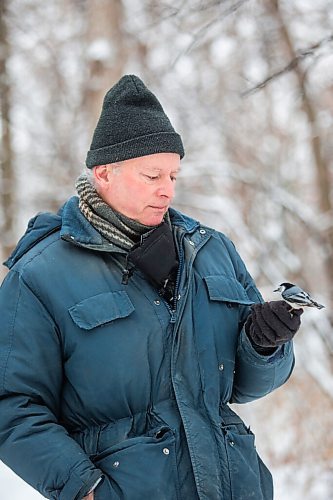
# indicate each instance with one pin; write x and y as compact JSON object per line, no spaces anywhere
{"x":265,"y":336}
{"x":268,"y":328}
{"x":271,"y":322}
{"x":274,"y":321}
{"x":284,"y":312}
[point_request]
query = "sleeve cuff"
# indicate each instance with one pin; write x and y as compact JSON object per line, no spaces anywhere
{"x":95,"y":485}
{"x":260,"y":358}
{"x":76,"y":488}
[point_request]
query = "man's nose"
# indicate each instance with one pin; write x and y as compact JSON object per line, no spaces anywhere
{"x":167,"y":188}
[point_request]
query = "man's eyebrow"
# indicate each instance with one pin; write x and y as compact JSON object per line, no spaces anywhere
{"x":159,"y":169}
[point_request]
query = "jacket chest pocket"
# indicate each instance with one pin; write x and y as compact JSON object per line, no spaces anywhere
{"x":101,"y":309}
{"x":229,"y":293}
{"x":108,"y":335}
{"x":227,"y":290}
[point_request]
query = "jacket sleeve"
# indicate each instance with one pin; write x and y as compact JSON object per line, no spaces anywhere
{"x":256,"y":375}
{"x":33,"y":443}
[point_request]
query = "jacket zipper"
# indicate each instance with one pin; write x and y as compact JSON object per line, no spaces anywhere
{"x":173,"y":309}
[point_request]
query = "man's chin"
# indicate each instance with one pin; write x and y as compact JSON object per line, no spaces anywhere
{"x":153,"y":220}
{"x":155,"y":217}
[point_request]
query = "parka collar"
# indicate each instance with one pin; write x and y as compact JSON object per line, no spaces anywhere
{"x":76,"y":229}
{"x":39,"y":227}
{"x":71,"y":223}
{"x":187,"y":223}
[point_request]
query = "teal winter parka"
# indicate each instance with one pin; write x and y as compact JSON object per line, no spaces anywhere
{"x":100,"y":379}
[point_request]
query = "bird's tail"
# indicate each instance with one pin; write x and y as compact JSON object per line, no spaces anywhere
{"x":318,"y":306}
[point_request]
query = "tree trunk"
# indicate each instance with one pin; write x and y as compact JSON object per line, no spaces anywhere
{"x":106,"y":52}
{"x":6,"y":163}
{"x":321,"y":164}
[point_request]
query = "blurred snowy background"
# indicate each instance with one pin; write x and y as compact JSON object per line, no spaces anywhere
{"x":249,"y":85}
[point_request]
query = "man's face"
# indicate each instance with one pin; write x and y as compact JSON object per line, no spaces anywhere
{"x":141,"y":188}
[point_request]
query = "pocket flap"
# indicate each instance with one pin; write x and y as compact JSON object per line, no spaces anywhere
{"x":226,"y":290}
{"x":101,"y":309}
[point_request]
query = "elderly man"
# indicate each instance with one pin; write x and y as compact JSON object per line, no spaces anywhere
{"x":127,"y":328}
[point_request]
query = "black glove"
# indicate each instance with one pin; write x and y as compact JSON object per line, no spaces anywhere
{"x":272,"y":324}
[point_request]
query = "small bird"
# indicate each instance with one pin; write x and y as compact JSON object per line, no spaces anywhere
{"x":297,"y":297}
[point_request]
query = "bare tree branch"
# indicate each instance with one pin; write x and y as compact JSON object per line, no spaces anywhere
{"x":196,"y":36}
{"x":302,"y":54}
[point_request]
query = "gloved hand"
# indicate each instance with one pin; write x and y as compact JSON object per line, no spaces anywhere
{"x":272,"y":324}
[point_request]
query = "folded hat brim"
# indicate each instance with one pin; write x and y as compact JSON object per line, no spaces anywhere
{"x":160,"y":142}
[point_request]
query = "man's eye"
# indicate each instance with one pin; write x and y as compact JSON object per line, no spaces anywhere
{"x":151,"y":177}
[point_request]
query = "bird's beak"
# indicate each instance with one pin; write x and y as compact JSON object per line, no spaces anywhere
{"x":277,"y":290}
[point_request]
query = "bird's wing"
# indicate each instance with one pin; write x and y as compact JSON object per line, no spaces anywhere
{"x":298,"y":296}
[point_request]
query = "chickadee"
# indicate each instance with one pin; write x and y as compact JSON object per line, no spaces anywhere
{"x":297,"y":297}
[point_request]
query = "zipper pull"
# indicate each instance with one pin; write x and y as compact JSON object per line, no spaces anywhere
{"x":127,"y":273}
{"x":173,"y":317}
{"x":126,"y":276}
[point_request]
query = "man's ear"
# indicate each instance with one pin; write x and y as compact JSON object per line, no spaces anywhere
{"x":102,"y":176}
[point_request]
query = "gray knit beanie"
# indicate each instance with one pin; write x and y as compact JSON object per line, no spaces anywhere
{"x":132,"y":124}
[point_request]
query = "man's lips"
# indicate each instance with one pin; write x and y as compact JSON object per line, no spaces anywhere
{"x":158,"y":208}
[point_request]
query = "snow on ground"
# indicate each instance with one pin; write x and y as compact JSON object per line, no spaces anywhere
{"x":13,"y":488}
{"x":296,"y":483}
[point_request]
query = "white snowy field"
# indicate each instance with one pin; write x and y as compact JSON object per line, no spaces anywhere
{"x":13,"y":488}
